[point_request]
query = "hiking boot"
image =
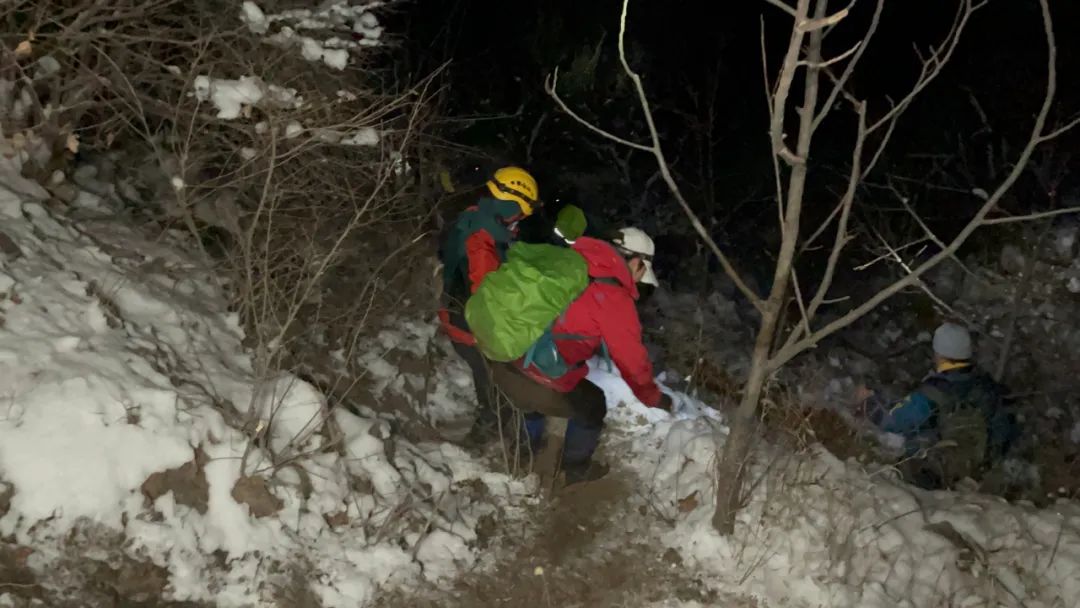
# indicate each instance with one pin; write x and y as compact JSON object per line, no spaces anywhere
{"x":584,"y":472}
{"x":481,"y":435}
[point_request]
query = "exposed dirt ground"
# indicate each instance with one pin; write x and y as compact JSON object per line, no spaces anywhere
{"x":588,"y":545}
{"x":103,"y":581}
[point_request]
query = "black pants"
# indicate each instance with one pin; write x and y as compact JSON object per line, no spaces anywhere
{"x":585,"y":405}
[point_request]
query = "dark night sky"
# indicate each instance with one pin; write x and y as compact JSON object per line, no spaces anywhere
{"x":493,"y":39}
{"x":500,"y":52}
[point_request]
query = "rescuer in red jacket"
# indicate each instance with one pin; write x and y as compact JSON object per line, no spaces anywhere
{"x":602,"y":320}
{"x":472,"y":247}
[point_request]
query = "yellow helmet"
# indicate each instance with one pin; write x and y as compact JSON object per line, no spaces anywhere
{"x":515,"y":184}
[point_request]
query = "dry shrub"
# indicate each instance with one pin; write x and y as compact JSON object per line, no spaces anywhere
{"x":134,"y":79}
{"x":300,"y":187}
{"x":717,"y":381}
{"x":787,"y":417}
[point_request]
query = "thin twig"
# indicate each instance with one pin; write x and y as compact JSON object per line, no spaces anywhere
{"x":1030,"y":216}
{"x":551,"y":84}
{"x":824,"y":64}
{"x":1072,"y":124}
{"x":1037,"y":130}
{"x":780,"y":5}
{"x":930,"y":233}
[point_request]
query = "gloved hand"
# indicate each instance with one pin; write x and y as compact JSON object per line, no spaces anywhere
{"x":665,"y":402}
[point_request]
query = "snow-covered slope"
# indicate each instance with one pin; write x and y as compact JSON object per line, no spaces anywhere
{"x":131,"y":415}
{"x":133,"y":428}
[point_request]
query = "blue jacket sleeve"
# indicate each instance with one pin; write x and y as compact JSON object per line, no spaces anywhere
{"x":905,"y":417}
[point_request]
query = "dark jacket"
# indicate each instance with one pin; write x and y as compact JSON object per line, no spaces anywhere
{"x":918,"y":416}
{"x":470,"y":248}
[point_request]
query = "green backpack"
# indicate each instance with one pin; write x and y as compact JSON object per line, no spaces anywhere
{"x":964,"y":416}
{"x":516,"y":305}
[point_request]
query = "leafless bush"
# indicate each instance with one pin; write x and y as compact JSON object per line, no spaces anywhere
{"x":263,"y":134}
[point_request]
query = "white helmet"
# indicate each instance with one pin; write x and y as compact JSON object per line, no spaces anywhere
{"x":634,"y":242}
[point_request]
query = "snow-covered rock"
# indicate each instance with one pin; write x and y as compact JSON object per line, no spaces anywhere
{"x":1012,"y":259}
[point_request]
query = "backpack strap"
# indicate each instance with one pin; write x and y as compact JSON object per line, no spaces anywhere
{"x":605,"y":354}
{"x":530,"y":355}
{"x":938,"y":395}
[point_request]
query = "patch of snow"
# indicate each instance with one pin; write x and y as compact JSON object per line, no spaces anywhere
{"x":446,"y":399}
{"x":232,"y":97}
{"x":337,"y":58}
{"x":253,"y":17}
{"x":399,"y":165}
{"x":1064,"y":244}
{"x":320,"y":41}
{"x":368,"y":26}
{"x":46,"y":66}
{"x":363,"y":137}
{"x":293,"y":129}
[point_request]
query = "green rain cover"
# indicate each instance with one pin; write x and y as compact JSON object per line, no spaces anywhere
{"x":515,"y":304}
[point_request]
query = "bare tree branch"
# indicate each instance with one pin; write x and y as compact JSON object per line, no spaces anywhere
{"x":842,"y":238}
{"x":1030,"y":216}
{"x":934,"y":63}
{"x":894,"y":254}
{"x":1072,"y":124}
{"x":818,"y":23}
{"x":841,"y":82}
{"x":779,"y":99}
{"x":780,"y":5}
{"x":657,"y":151}
{"x":1037,"y":137}
{"x":550,"y":86}
{"x":837,"y":59}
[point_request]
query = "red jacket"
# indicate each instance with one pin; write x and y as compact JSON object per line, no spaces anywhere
{"x":604,"y":311}
{"x":482,"y":255}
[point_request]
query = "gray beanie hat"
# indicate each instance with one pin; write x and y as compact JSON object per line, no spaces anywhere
{"x":953,"y":341}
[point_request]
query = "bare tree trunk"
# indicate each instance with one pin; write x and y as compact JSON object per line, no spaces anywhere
{"x":737,"y":449}
{"x":731,"y":466}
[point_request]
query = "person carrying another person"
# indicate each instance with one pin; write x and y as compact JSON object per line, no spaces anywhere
{"x":471,"y":248}
{"x":545,"y":313}
{"x":955,"y":424}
